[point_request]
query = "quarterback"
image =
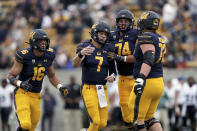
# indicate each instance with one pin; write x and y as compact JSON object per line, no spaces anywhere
{"x":97,"y":69}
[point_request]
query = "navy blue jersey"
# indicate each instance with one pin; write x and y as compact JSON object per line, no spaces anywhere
{"x":34,"y":68}
{"x":124,"y":46}
{"x":96,"y":67}
{"x":160,"y":49}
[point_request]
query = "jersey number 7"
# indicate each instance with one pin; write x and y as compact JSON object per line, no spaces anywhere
{"x":100,"y":62}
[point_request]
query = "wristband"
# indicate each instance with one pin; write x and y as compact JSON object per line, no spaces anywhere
{"x":125,"y":58}
{"x":12,"y":80}
{"x":80,"y":55}
{"x":140,"y":75}
{"x":58,"y":86}
{"x":121,"y":58}
{"x":18,"y":83}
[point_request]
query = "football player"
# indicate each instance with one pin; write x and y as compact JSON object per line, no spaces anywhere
{"x":124,"y":39}
{"x":148,"y":72}
{"x":97,"y":69}
{"x":31,"y":65}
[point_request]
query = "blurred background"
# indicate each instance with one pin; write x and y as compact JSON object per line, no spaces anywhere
{"x":68,"y":23}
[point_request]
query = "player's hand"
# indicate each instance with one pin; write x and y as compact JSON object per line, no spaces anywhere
{"x":110,"y":55}
{"x":139,"y":84}
{"x":114,"y":56}
{"x":63,"y":91}
{"x":110,"y":78}
{"x":26,"y":86}
{"x":87,"y":50}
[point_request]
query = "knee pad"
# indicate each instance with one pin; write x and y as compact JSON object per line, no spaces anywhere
{"x":137,"y":127}
{"x":151,"y":122}
{"x":20,"y":129}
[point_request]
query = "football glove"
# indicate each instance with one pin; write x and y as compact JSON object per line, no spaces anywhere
{"x":63,"y":91}
{"x":139,"y":84}
{"x":26,"y":86}
{"x":114,"y":56}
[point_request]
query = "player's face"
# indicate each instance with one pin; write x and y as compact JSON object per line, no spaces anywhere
{"x":42,"y":43}
{"x":124,"y":23}
{"x":102,"y":36}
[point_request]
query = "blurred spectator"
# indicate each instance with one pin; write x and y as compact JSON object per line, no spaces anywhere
{"x":142,"y":4}
{"x":15,"y":38}
{"x":190,"y":104}
{"x":60,"y":59}
{"x":194,"y":33}
{"x":3,"y":32}
{"x":20,"y":21}
{"x":170,"y":92}
{"x":85,"y":15}
{"x":6,"y":91}
{"x":77,"y":30}
{"x":179,"y":101}
{"x":5,"y":60}
{"x":46,"y":22}
{"x":61,"y":25}
{"x":36,"y":19}
{"x":73,"y":115}
{"x":69,"y":65}
{"x":169,"y":12}
{"x":193,"y":7}
{"x":49,"y":104}
{"x":68,"y":2}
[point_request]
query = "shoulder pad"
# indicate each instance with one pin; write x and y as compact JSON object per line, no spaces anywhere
{"x":19,"y":56}
{"x":145,"y":39}
{"x":51,"y":53}
{"x":24,"y":51}
{"x":50,"y":50}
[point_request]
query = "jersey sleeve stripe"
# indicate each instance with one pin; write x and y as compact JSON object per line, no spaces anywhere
{"x":18,"y":58}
